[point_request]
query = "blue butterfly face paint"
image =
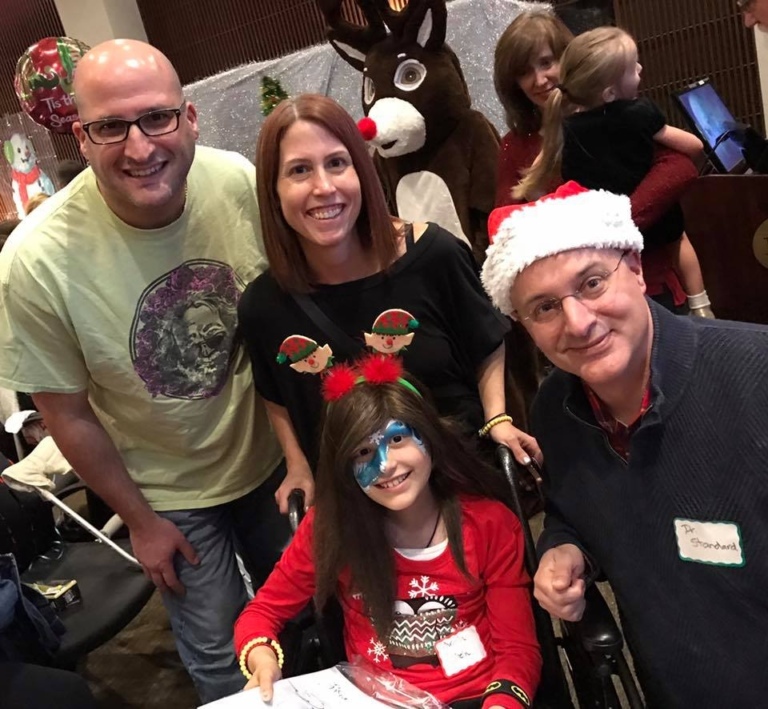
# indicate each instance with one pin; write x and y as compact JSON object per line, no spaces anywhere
{"x":371,"y":459}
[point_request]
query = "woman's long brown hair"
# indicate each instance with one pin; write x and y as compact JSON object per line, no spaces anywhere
{"x":375,"y":229}
{"x":517,"y":48}
{"x":349,"y":527}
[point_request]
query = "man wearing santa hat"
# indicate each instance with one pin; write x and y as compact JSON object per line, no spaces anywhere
{"x":653,"y":430}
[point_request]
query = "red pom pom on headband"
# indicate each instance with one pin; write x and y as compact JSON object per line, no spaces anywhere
{"x":375,"y":369}
{"x":338,"y":381}
{"x":378,"y":369}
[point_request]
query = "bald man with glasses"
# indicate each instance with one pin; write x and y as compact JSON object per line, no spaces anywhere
{"x":655,"y":443}
{"x":118,"y":311}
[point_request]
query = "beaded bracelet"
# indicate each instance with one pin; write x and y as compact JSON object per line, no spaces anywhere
{"x":273,"y":644}
{"x":486,"y":429}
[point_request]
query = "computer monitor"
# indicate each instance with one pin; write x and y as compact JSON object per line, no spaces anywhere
{"x":709,"y":118}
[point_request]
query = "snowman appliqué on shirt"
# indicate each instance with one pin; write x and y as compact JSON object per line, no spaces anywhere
{"x":420,"y":621}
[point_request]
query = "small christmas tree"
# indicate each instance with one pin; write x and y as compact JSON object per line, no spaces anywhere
{"x":271,"y":94}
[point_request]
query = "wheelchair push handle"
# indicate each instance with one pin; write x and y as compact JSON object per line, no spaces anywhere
{"x":295,"y":508}
{"x":512,"y":471}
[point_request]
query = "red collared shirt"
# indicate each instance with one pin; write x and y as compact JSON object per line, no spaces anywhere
{"x":619,"y":434}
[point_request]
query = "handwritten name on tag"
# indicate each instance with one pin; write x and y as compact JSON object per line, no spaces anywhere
{"x":460,"y":651}
{"x":716,"y":543}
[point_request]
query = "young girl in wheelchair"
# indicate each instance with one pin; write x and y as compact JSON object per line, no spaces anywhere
{"x":409,"y":532}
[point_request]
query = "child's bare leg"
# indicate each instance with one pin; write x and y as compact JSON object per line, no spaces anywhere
{"x":687,"y":266}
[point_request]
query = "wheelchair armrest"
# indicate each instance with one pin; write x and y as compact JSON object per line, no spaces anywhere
{"x":295,"y":509}
{"x":597,"y":631}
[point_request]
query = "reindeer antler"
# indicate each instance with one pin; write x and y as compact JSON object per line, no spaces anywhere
{"x":355,"y":37}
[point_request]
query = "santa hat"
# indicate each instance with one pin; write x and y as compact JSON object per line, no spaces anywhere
{"x":394,"y":322}
{"x":295,"y":348}
{"x":572,"y":217}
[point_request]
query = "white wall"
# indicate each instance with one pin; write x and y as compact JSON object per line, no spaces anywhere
{"x":94,"y":21}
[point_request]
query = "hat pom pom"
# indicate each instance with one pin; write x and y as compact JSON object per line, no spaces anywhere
{"x":378,"y":369}
{"x":338,"y":382}
{"x":281,"y":358}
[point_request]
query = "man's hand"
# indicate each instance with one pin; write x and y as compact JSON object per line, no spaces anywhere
{"x":155,"y":545}
{"x":520,"y":443}
{"x":298,"y":477}
{"x":558,"y":585}
{"x":262,"y":664}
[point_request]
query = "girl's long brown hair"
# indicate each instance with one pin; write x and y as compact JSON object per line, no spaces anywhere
{"x":591,"y":63}
{"x":375,"y":229}
{"x":349,"y":527}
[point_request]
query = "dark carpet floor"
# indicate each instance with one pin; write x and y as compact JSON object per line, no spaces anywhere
{"x":139,"y":668}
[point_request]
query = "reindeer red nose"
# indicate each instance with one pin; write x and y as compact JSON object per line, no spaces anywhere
{"x":367,"y":128}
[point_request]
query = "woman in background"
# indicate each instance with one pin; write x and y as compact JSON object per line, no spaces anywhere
{"x":526,"y":69}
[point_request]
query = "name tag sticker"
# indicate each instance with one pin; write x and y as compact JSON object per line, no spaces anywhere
{"x":717,"y":543}
{"x":460,"y":651}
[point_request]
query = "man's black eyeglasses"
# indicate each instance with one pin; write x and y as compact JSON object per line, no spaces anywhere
{"x":115,"y":130}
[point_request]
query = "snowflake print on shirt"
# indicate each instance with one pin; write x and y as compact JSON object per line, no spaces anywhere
{"x":422,"y":587}
{"x":377,"y":651}
{"x":420,"y":621}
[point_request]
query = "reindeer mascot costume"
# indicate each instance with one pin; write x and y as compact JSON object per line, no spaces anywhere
{"x":436,"y":156}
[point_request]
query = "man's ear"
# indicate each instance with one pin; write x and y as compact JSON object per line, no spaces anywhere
{"x":635,"y":264}
{"x":82,"y":138}
{"x":191,"y":116}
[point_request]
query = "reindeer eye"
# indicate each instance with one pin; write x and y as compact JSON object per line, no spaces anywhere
{"x":410,"y":75}
{"x":369,"y":90}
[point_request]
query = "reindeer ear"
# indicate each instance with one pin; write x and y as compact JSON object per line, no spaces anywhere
{"x":352,"y":41}
{"x":354,"y":57}
{"x":427,"y":25}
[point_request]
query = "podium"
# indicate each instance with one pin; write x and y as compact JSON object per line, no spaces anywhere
{"x":726,"y":219}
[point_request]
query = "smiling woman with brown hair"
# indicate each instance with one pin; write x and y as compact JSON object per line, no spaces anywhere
{"x":343,"y":272}
{"x":526,"y":69}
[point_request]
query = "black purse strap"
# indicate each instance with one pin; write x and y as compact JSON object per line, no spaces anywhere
{"x":331,"y":330}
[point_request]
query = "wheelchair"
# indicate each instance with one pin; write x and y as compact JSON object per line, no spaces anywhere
{"x":591,"y":649}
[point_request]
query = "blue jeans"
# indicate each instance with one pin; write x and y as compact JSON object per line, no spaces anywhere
{"x":203,"y":618}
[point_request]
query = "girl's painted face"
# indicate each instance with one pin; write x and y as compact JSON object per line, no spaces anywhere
{"x":542,"y":76}
{"x":393,"y":466}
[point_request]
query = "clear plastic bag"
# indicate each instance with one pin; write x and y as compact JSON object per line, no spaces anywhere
{"x":387,"y":688}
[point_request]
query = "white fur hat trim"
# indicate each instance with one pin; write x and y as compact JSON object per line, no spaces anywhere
{"x":589,"y":219}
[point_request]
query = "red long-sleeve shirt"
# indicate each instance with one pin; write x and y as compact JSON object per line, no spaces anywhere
{"x":434,"y":600}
